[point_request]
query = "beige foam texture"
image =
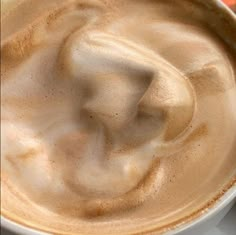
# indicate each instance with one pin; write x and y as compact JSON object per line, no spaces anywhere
{"x":114,"y":111}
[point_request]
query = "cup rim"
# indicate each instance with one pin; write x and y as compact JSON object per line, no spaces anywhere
{"x":221,"y":203}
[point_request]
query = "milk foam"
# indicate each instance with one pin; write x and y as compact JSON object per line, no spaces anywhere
{"x":114,"y":110}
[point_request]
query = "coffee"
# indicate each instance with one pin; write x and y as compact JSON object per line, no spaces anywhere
{"x":115,"y":111}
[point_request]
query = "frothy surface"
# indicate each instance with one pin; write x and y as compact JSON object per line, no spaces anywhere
{"x":114,"y":110}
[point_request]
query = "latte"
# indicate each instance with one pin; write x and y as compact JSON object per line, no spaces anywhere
{"x":116,"y":111}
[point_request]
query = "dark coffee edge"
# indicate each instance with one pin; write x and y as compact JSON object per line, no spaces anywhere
{"x":225,"y":16}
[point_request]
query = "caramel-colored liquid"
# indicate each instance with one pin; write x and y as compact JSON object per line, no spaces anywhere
{"x":117,"y":117}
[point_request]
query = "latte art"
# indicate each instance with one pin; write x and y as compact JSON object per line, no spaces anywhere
{"x":114,"y":110}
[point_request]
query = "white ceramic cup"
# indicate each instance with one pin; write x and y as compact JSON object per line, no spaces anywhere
{"x":197,"y":226}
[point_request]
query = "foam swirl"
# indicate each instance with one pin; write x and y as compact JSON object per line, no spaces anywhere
{"x":95,"y":108}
